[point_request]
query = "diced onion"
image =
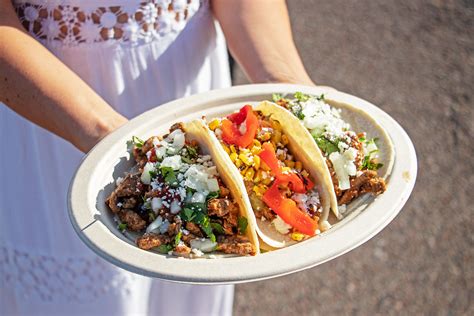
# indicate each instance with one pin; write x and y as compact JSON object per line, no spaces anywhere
{"x":198,"y":197}
{"x":156,"y":204}
{"x":212,"y":185}
{"x":204,"y":244}
{"x":145,"y":177}
{"x":175,"y":207}
{"x":153,"y":227}
{"x":164,"y":226}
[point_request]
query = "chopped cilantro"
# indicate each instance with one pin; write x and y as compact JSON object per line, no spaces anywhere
{"x":326,"y":145}
{"x":177,"y":238}
{"x":151,"y":216}
{"x":122,"y":226}
{"x":242,"y":224}
{"x":362,"y":139}
{"x":169,"y":176}
{"x":137,"y":142}
{"x":165,"y":248}
{"x":213,"y":195}
{"x":367,"y":164}
{"x":321,"y":97}
{"x":301,"y":97}
{"x":217,"y":228}
{"x":297,"y":111}
{"x":196,"y":213}
{"x":192,"y":151}
{"x":153,"y":173}
{"x":276,"y":97}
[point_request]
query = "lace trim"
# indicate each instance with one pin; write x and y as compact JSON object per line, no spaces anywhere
{"x":58,"y":279}
{"x":133,"y":23}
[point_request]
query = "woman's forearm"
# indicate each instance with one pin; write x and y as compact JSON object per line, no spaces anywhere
{"x":38,"y":86}
{"x":259,"y":37}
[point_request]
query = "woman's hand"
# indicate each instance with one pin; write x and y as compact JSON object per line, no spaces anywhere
{"x":259,"y":37}
{"x":38,"y":86}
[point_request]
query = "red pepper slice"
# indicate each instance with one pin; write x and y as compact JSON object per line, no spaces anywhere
{"x":289,"y":211}
{"x":268,"y":155}
{"x":298,"y":184}
{"x":231,"y":133}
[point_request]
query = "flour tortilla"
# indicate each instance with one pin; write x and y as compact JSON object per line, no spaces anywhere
{"x":198,"y":131}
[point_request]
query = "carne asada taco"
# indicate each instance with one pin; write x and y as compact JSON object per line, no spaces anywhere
{"x":284,"y":189}
{"x":358,"y":153}
{"x":181,"y":201}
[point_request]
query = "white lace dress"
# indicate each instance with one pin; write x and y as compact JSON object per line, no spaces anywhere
{"x":136,"y":54}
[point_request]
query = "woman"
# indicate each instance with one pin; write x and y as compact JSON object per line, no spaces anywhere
{"x":79,"y":70}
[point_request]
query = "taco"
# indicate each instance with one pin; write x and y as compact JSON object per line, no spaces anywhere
{"x":181,"y":201}
{"x":358,"y":153}
{"x":285,"y":191}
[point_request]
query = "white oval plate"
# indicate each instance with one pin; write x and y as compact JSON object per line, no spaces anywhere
{"x":95,"y":177}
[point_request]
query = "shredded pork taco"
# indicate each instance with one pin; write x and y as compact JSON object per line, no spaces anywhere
{"x":354,"y":160}
{"x":179,"y":202}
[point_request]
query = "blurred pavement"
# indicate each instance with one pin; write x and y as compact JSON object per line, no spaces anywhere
{"x":415,"y":60}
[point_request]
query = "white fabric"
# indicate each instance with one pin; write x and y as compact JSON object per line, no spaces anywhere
{"x":44,"y":268}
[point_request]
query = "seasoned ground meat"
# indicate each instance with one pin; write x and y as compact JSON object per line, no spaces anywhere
{"x":182,"y":249}
{"x":223,"y":192}
{"x":130,"y":186}
{"x":236,"y":245}
{"x":219,"y":207}
{"x":127,"y":193}
{"x":150,"y":240}
{"x":335,"y":181}
{"x":367,"y":182}
{"x":176,"y":126}
{"x":140,"y":153}
{"x":133,"y":220}
{"x":130,"y":202}
{"x":193,"y":228}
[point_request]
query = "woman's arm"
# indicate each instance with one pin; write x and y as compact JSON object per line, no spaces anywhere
{"x":259,"y":37}
{"x":38,"y":86}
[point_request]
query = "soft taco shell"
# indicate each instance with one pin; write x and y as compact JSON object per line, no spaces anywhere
{"x":303,"y":147}
{"x":197,"y":130}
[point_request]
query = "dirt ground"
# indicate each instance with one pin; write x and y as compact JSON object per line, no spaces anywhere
{"x":415,"y":60}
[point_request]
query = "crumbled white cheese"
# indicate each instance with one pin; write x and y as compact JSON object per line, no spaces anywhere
{"x":146,"y":177}
{"x":281,"y":226}
{"x":344,"y":166}
{"x":156,"y":204}
{"x":320,"y":118}
{"x":172,"y":162}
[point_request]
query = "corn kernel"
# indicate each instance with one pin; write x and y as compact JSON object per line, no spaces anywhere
{"x":258,"y":176}
{"x":214,"y":124}
{"x":256,"y":150}
{"x":256,"y":162}
{"x":264,"y":166}
{"x":238,"y":163}
{"x":297,"y":236}
{"x":267,"y":181}
{"x":276,"y":137}
{"x":276,"y":125}
{"x":285,"y":169}
{"x":259,"y":190}
{"x":284,"y":140}
{"x":256,"y":143}
{"x":244,"y":170}
{"x":264,"y":137}
{"x":249,"y":174}
{"x":289,"y":163}
{"x":232,"y":149}
{"x":226,"y":149}
{"x":246,"y":159}
{"x":233,"y":156}
{"x":298,"y":165}
{"x":305,"y":173}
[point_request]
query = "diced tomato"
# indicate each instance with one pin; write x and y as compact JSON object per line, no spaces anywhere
{"x":153,"y":157}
